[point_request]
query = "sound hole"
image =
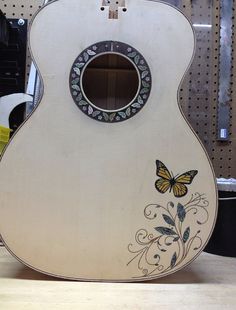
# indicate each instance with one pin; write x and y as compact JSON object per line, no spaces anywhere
{"x":110,"y":82}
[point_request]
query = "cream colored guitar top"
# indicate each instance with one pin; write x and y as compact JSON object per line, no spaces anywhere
{"x":92,"y":194}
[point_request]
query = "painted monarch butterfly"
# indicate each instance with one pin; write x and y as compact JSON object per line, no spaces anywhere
{"x":169,"y":182}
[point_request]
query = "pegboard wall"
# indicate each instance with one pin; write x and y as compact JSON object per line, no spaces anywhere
{"x":21,"y":9}
{"x":199,"y":90}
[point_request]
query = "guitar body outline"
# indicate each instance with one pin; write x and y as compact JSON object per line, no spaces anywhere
{"x":137,"y":243}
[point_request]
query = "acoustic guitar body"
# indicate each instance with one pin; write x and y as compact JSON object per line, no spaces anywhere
{"x":91,"y":193}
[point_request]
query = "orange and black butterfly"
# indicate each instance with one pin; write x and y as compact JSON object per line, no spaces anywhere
{"x":176,"y":183}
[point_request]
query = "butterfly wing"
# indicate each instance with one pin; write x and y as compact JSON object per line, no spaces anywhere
{"x":162,"y":171}
{"x":187,"y":177}
{"x":179,"y":188}
{"x":162,"y":185}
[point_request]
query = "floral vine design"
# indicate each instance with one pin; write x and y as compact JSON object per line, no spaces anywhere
{"x":167,"y":248}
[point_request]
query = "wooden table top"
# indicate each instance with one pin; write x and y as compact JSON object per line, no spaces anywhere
{"x":209,"y":283}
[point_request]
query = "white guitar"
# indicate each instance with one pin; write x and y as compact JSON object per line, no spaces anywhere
{"x":106,"y":180}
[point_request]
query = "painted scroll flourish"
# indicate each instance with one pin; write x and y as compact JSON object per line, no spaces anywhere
{"x":176,"y":236}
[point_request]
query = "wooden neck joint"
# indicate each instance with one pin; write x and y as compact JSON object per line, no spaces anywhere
{"x":114,"y":7}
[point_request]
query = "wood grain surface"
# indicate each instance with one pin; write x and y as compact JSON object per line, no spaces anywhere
{"x":209,"y":283}
{"x":78,"y":191}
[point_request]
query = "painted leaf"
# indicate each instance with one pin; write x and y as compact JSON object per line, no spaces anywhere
{"x":142,"y":68}
{"x":165,"y":231}
{"x":86,"y":56}
{"x":83,"y":102}
{"x":80,"y":65}
{"x":181,"y":212}
{"x":144,"y":74}
{"x":77,"y":71}
{"x":122,"y":114}
{"x":75,"y":81}
{"x":168,"y":220}
{"x":136,"y":105}
{"x":91,"y":53}
{"x":79,"y":97}
{"x":144,"y":90}
{"x":95,"y":113}
{"x":136,"y":59}
{"x":186,"y":235}
{"x":176,"y":239}
{"x":132,"y":55}
{"x":112,"y":116}
{"x":172,"y":204}
{"x":173,"y":260}
{"x":76,"y":87}
{"x":145,"y":84}
{"x":140,"y":100}
{"x":128,"y":112}
{"x":106,"y":117}
{"x":90,"y":110}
